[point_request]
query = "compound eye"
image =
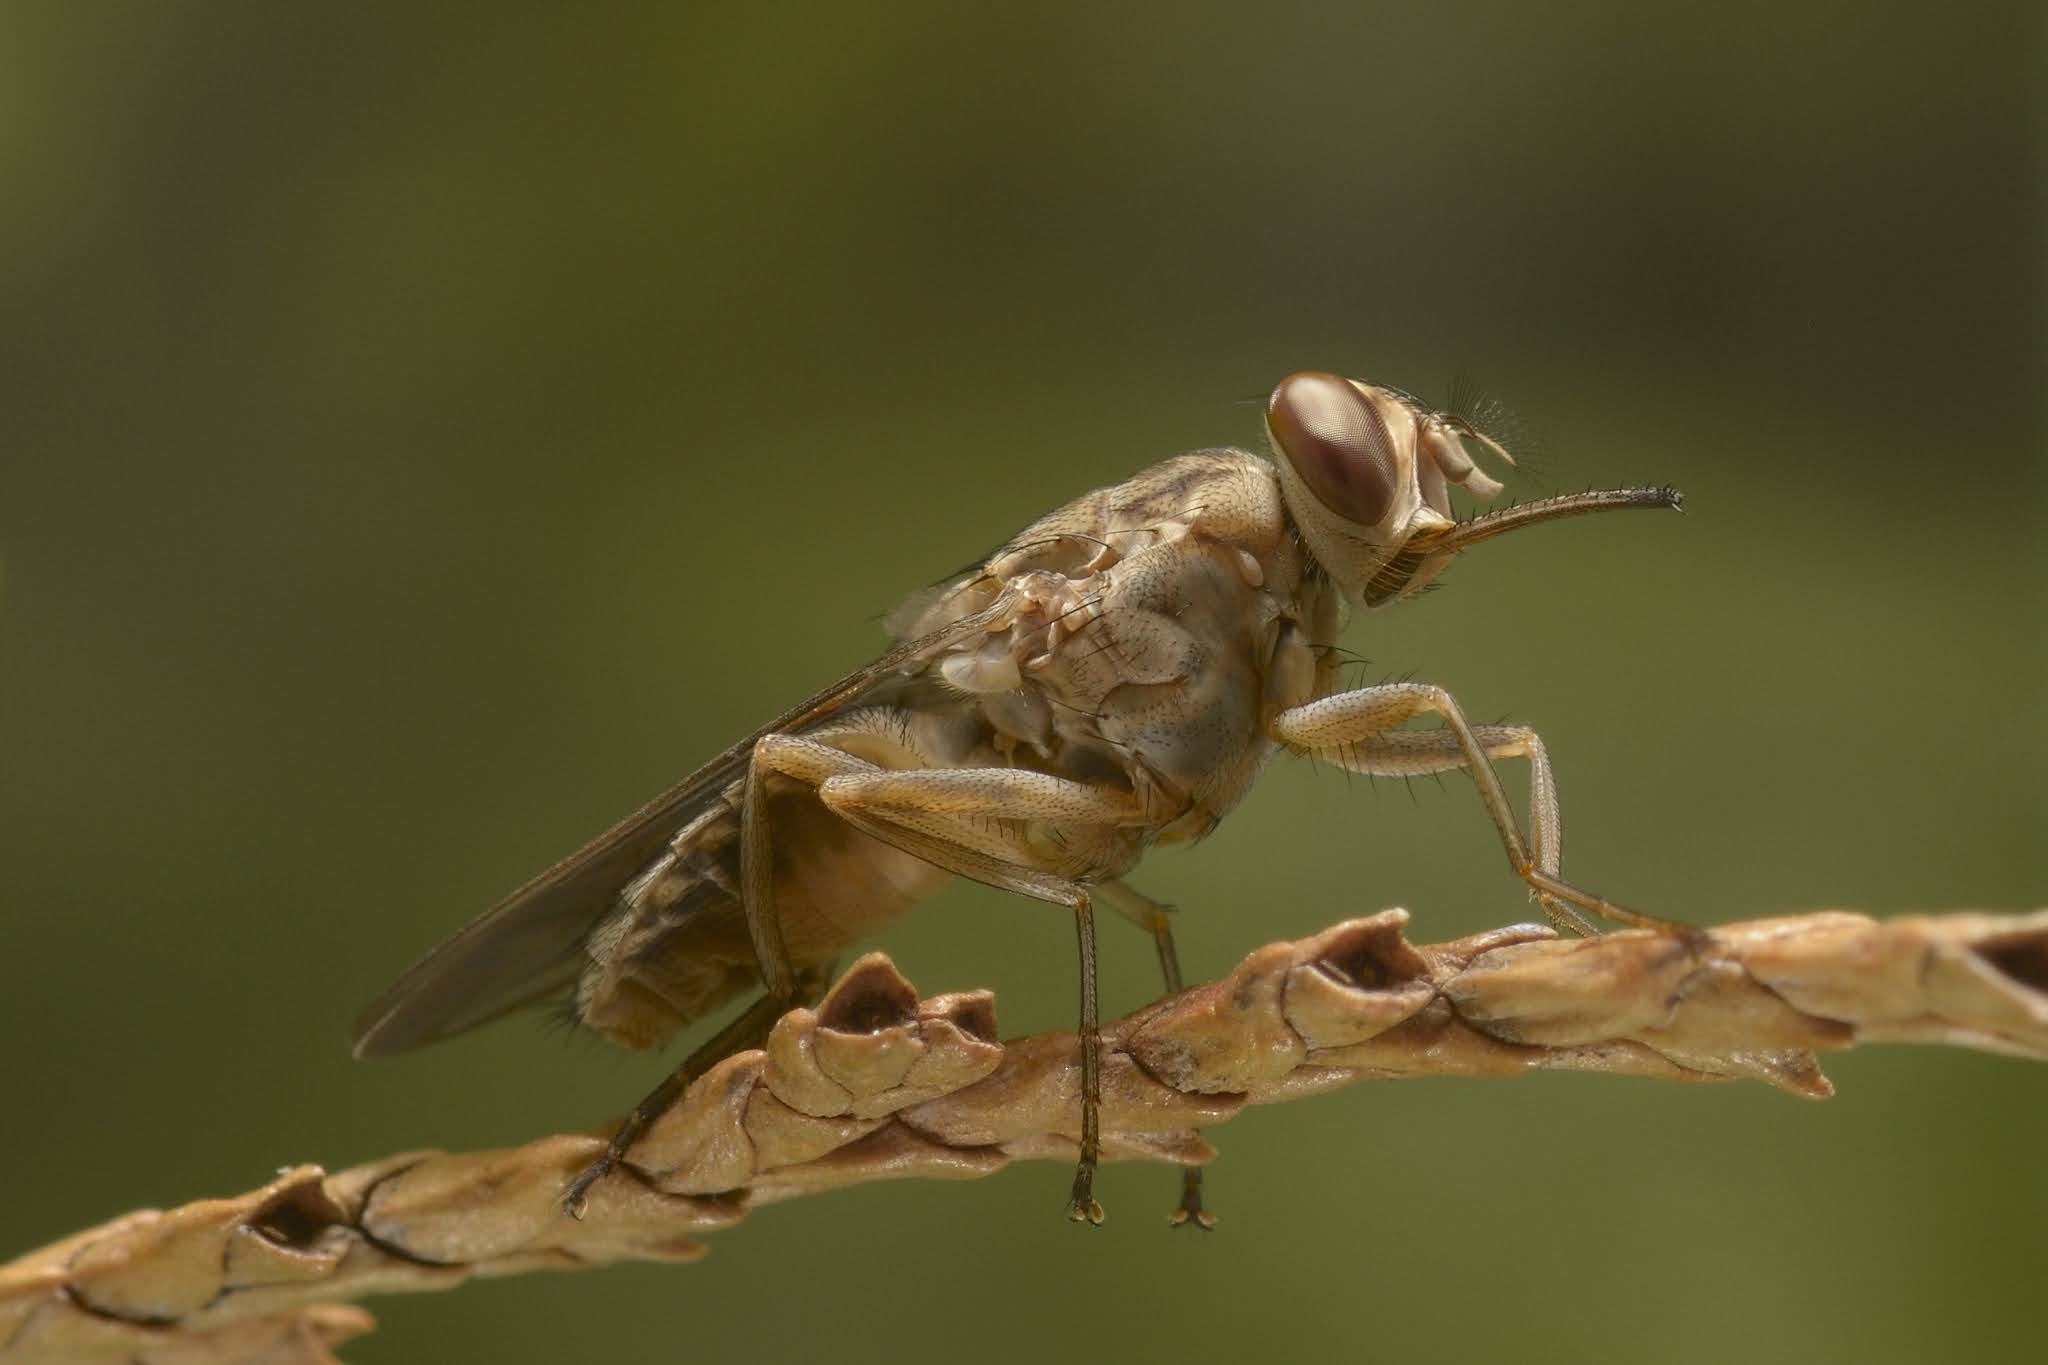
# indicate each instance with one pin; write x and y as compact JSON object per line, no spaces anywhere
{"x":1336,"y":442}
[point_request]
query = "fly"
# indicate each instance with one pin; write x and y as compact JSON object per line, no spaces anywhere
{"x":1111,"y":679}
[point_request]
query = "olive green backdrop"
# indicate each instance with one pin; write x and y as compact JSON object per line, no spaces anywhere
{"x":427,"y":431}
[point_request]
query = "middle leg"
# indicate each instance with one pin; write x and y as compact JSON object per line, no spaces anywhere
{"x":980,"y":823}
{"x":1156,"y":919}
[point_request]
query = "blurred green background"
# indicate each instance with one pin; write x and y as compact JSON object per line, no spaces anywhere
{"x":425,"y":433}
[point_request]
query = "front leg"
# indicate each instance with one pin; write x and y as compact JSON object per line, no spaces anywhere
{"x":1417,"y":753}
{"x":1357,"y":730}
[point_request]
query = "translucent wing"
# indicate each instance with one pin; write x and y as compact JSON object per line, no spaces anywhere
{"x":528,"y":947}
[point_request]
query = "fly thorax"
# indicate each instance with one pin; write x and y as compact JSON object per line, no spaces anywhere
{"x":1022,"y":717}
{"x":1181,"y":632}
{"x":1003,"y":671}
{"x":991,"y":667}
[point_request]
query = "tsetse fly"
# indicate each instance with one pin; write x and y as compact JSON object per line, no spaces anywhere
{"x":1111,"y":679}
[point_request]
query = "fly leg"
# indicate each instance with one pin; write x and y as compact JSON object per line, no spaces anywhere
{"x":749,"y":1030}
{"x":977,"y":822}
{"x":807,"y":761}
{"x":1357,"y":729}
{"x":1416,"y":753}
{"x":1155,"y":918}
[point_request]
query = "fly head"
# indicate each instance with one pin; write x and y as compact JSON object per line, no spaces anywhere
{"x":1366,"y":472}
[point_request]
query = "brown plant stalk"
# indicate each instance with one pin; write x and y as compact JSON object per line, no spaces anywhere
{"x":876,"y":1084}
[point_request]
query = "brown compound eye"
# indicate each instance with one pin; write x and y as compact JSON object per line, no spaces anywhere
{"x":1336,"y":442}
